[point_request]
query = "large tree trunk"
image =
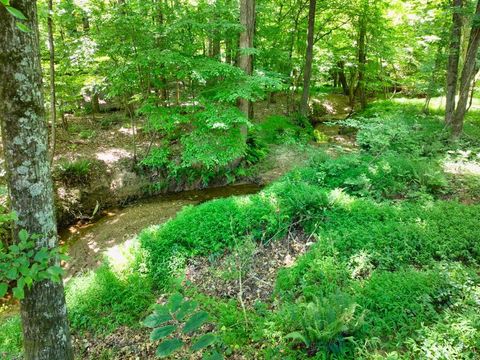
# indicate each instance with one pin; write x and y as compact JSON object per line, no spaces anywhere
{"x":245,"y":58}
{"x":453,"y":60}
{"x":25,"y":144}
{"x":307,"y":73}
{"x":468,"y":73}
{"x":53,"y":106}
{"x":362,"y":54}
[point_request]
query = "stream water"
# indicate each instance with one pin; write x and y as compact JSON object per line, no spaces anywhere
{"x":86,"y":243}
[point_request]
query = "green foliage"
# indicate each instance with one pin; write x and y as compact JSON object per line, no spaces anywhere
{"x":10,"y":337}
{"x":201,"y":143}
{"x":25,"y":264}
{"x":104,"y":299}
{"x":390,"y":176}
{"x":87,"y":134}
{"x":325,"y":324}
{"x":178,"y":316}
{"x":223,"y":221}
{"x":74,"y":172}
{"x":277,"y":129}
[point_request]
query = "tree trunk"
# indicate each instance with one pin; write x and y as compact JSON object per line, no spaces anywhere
{"x":453,"y":61}
{"x":362,"y":55}
{"x":307,"y":73}
{"x":342,"y":78}
{"x":468,"y":73}
{"x":25,"y":144}
{"x":245,"y":59}
{"x":53,"y":105}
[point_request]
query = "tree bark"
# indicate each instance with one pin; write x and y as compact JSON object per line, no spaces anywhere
{"x":307,"y":73}
{"x":245,"y":60}
{"x":453,"y":60}
{"x":362,"y":55}
{"x":25,"y":143}
{"x":342,"y":78}
{"x":468,"y":73}
{"x":53,"y":100}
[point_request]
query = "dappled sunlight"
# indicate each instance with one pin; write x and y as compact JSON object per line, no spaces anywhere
{"x":110,"y":156}
{"x":462,"y":162}
{"x":122,"y":256}
{"x":338,"y":197}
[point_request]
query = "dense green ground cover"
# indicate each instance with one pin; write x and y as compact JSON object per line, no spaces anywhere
{"x":393,"y":272}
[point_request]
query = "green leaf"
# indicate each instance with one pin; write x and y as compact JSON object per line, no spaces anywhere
{"x":156,"y":319}
{"x":15,"y":12}
{"x":12,"y":273}
{"x":162,"y":332}
{"x":18,"y":293}
{"x":5,"y":2}
{"x":298,"y":336}
{"x":55,"y":270}
{"x":23,"y":235}
{"x":167,"y":347}
{"x":41,"y":255}
{"x":186,"y":309}
{"x":197,"y":320}
{"x":175,"y":302}
{"x":22,"y":27}
{"x":203,"y":342}
{"x":3,"y":289}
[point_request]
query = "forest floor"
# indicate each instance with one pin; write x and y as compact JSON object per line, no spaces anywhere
{"x":376,"y":226}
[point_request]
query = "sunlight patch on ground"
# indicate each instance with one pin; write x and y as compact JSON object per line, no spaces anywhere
{"x":113,"y":155}
{"x":462,"y":163}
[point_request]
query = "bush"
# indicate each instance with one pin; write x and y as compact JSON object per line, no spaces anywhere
{"x":325,"y":323}
{"x":379,"y":177}
{"x":74,"y":172}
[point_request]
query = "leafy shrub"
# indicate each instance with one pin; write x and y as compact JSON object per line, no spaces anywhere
{"x":26,"y":264}
{"x":74,"y":172}
{"x":179,"y":316}
{"x":383,"y":176}
{"x":324,"y":323}
{"x":201,"y":142}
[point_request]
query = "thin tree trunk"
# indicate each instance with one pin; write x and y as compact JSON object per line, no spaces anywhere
{"x":468,"y":73}
{"x":53,"y":100}
{"x":342,"y":78}
{"x":453,"y":61}
{"x":25,"y":143}
{"x":307,"y":74}
{"x":245,"y":59}
{"x":362,"y":55}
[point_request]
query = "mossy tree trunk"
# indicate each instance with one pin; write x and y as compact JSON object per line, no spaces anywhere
{"x":25,"y":143}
